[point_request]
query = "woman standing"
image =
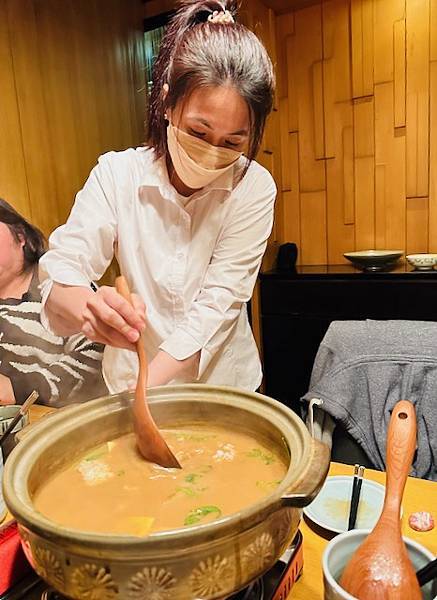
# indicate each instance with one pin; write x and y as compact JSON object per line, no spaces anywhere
{"x":188,"y":216}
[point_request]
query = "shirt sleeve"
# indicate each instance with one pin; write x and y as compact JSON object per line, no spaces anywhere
{"x":231,"y":275}
{"x":82,"y":249}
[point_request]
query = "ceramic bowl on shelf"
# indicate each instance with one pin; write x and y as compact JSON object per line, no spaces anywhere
{"x":422,"y":262}
{"x":374,"y":260}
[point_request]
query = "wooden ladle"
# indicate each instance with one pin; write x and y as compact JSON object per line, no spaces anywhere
{"x":381,"y":569}
{"x":150,"y":442}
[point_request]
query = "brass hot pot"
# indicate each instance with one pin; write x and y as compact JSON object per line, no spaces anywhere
{"x":204,"y":561}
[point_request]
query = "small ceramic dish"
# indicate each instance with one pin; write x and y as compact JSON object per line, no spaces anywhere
{"x":422,"y":262}
{"x":374,"y":260}
{"x":330,"y":508}
{"x":339,"y":551}
{"x":7,"y":413}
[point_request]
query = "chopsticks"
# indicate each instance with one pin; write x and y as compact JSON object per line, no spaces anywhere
{"x":355,"y":498}
{"x":23,"y":410}
{"x":427,"y":573}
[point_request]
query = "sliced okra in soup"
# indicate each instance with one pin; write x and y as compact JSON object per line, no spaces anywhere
{"x":268,"y":486}
{"x":202,"y":514}
{"x":259,"y":454}
{"x":99,"y":452}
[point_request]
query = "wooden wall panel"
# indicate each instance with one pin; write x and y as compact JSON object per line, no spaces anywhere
{"x":432,"y":242}
{"x":55,"y":40}
{"x":378,"y":155}
{"x":417,"y":225}
{"x":362,"y":47}
{"x":313,"y":228}
{"x":67,"y":69}
{"x":390,"y":173}
{"x":292,"y":84}
{"x":286,"y":148}
{"x":13,"y":182}
{"x":364,"y":173}
{"x":340,"y":194}
{"x":336,"y":51}
{"x":308,"y":50}
{"x":400,"y":73}
{"x":284,"y":29}
{"x":433,"y":31}
{"x":38,"y":151}
{"x":291,"y":197}
{"x":336,"y":73}
{"x":418,"y":14}
{"x":386,"y":13}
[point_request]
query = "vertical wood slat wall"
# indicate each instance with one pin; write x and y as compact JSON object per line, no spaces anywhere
{"x":353,"y":142}
{"x":72,"y":87}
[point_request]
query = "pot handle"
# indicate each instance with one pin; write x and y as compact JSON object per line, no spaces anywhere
{"x":308,"y":485}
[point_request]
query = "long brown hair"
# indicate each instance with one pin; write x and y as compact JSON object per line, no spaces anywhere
{"x":34,"y":240}
{"x":195,"y":52}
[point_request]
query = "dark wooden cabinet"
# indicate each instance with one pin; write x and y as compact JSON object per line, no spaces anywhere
{"x":297,"y":308}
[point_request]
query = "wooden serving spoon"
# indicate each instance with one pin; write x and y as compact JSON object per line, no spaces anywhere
{"x":150,"y":442}
{"x":381,"y":569}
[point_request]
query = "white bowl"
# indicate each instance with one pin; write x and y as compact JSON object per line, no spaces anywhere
{"x":374,"y":260}
{"x":422,"y":262}
{"x":330,"y":508}
{"x":339,"y":551}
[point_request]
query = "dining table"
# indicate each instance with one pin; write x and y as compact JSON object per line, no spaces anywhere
{"x":419,"y":495}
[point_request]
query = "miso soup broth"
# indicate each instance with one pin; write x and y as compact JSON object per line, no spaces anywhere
{"x":112,"y":489}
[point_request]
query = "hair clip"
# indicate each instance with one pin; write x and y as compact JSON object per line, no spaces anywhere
{"x":223,"y":16}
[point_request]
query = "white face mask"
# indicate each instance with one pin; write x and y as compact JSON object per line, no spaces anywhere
{"x":195,"y":161}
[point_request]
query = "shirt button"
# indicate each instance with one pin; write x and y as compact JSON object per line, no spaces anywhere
{"x":180,"y":255}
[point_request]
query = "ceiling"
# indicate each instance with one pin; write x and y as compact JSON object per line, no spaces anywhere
{"x":277,"y":5}
{"x":286,"y":5}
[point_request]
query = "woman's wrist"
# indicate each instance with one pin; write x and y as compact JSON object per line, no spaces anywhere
{"x":65,"y":307}
{"x":163,"y":368}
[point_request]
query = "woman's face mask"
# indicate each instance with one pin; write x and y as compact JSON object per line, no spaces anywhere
{"x":196,"y":162}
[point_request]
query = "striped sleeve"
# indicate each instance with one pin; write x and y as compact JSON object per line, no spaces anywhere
{"x":61,"y":370}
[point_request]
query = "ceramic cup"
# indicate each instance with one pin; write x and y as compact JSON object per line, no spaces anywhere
{"x":339,"y":551}
{"x":422,"y":262}
{"x":7,"y":413}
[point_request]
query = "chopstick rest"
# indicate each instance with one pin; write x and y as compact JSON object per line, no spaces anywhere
{"x":355,"y":497}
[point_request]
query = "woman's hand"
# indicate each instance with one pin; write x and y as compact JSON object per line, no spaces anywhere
{"x":7,"y":395}
{"x":109,"y":319}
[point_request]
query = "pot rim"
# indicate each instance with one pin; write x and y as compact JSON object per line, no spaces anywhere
{"x":16,"y":471}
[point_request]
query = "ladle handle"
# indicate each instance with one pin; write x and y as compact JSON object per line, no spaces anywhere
{"x":123,"y":289}
{"x":401,"y":445}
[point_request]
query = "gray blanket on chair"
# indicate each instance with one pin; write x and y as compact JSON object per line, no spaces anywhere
{"x":363,"y":368}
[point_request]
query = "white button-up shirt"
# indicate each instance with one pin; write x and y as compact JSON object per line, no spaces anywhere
{"x":193,"y":262}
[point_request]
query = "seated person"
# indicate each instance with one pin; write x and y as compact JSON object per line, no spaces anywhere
{"x":61,"y":370}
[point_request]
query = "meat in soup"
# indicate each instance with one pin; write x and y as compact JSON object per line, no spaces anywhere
{"x":112,"y":489}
